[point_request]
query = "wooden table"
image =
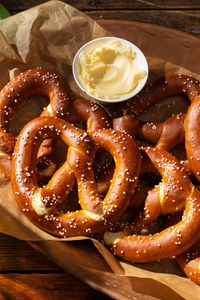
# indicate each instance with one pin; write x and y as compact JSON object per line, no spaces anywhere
{"x":25,"y":273}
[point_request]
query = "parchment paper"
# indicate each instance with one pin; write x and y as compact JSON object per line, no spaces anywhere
{"x":50,"y":35}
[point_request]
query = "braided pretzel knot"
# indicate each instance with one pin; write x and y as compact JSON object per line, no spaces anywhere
{"x":38,"y":81}
{"x":95,"y":117}
{"x":170,"y":194}
{"x":169,"y":85}
{"x":170,"y":242}
{"x":89,"y":112}
{"x":165,"y":135}
{"x":40,"y":204}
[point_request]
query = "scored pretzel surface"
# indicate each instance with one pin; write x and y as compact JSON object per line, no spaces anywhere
{"x":40,"y":204}
{"x":170,"y":242}
{"x":34,"y":82}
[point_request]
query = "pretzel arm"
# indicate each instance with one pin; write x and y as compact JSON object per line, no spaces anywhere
{"x":38,"y":81}
{"x":190,"y":263}
{"x":175,"y":239}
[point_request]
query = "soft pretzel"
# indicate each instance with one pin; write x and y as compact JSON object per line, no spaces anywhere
{"x":38,"y":81}
{"x":40,"y":204}
{"x":169,"y":85}
{"x":190,"y":263}
{"x":95,"y":117}
{"x":89,"y":112}
{"x":170,"y":242}
{"x":170,"y":194}
{"x":165,"y":135}
{"x":192,"y":138}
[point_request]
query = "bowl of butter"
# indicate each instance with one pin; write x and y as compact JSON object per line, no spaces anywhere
{"x":110,"y":69}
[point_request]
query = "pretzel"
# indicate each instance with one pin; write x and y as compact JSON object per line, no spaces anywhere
{"x":170,"y":194}
{"x":165,"y":135}
{"x":89,"y":112}
{"x":169,"y":85}
{"x":190,"y":263}
{"x":95,"y":117}
{"x":40,"y":204}
{"x":38,"y":81}
{"x":170,"y":242}
{"x":192,"y":139}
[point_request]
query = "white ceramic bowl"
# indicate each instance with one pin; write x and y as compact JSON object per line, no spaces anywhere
{"x":141,"y":61}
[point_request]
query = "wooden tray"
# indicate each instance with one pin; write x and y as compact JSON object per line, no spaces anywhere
{"x":172,"y":45}
{"x":181,"y":49}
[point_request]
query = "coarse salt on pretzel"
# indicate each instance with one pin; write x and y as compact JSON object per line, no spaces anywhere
{"x":165,"y":135}
{"x":38,"y":81}
{"x":170,"y":84}
{"x":95,"y":117}
{"x":192,"y":136}
{"x":170,"y":242}
{"x":40,"y":204}
{"x":190,"y":263}
{"x":170,"y":194}
{"x":89,"y":112}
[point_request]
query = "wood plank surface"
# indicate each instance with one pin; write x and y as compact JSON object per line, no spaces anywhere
{"x":45,"y":286}
{"x":185,"y":20}
{"x":19,"y":5}
{"x":33,"y":276}
{"x":182,"y":15}
{"x":16,"y":255}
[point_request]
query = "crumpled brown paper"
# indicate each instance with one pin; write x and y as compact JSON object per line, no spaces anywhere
{"x":50,"y":35}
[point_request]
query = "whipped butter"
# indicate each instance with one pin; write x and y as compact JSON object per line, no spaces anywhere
{"x":109,"y":69}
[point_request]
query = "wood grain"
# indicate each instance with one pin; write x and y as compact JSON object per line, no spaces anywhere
{"x":16,"y":255}
{"x":188,"y":21}
{"x":182,"y":15}
{"x":45,"y":286}
{"x":19,"y":5}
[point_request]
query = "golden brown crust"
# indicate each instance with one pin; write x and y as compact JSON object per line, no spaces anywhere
{"x":89,"y":112}
{"x":192,"y":136}
{"x":170,"y":194}
{"x":170,"y":242}
{"x":169,"y":85}
{"x":96,"y":215}
{"x":165,"y":135}
{"x":190,"y":263}
{"x":38,"y":81}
